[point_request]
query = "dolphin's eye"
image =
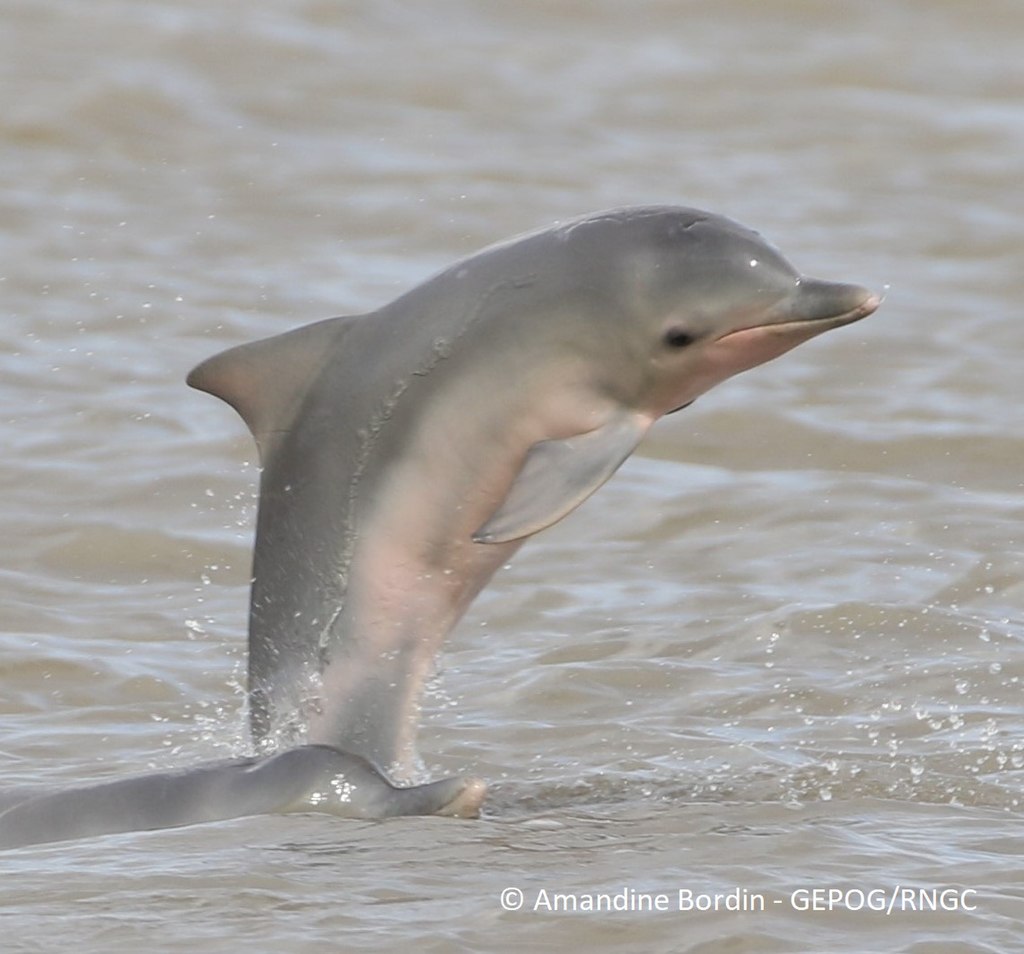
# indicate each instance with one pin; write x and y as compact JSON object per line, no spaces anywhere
{"x":678,"y":338}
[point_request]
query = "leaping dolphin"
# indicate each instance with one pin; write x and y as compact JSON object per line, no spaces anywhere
{"x":408,"y":452}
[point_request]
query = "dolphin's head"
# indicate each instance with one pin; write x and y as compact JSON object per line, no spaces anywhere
{"x":707,"y":298}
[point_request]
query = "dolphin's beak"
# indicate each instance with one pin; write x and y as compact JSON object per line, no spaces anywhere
{"x":829,"y":303}
{"x":812,"y":307}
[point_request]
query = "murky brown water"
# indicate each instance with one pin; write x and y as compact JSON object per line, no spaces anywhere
{"x":782,"y":651}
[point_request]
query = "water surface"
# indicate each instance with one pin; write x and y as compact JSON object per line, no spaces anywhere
{"x":781,"y":651}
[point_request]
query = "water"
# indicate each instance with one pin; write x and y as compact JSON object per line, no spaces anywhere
{"x":781,"y":651}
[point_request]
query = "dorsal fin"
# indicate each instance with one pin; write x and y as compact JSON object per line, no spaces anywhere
{"x":265,"y":381}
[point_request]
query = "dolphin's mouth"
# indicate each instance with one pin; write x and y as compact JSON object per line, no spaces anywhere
{"x":815,"y":324}
{"x":865,"y":308}
{"x":752,"y":345}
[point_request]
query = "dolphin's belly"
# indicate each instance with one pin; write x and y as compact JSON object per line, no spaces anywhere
{"x":413,"y":571}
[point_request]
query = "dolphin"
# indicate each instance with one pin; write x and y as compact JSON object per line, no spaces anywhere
{"x":304,"y":779}
{"x":407,"y":453}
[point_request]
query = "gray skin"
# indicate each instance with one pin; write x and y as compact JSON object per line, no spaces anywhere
{"x":409,"y":452}
{"x":309,"y":778}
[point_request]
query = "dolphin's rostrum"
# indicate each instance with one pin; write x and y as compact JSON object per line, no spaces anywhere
{"x":407,"y":453}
